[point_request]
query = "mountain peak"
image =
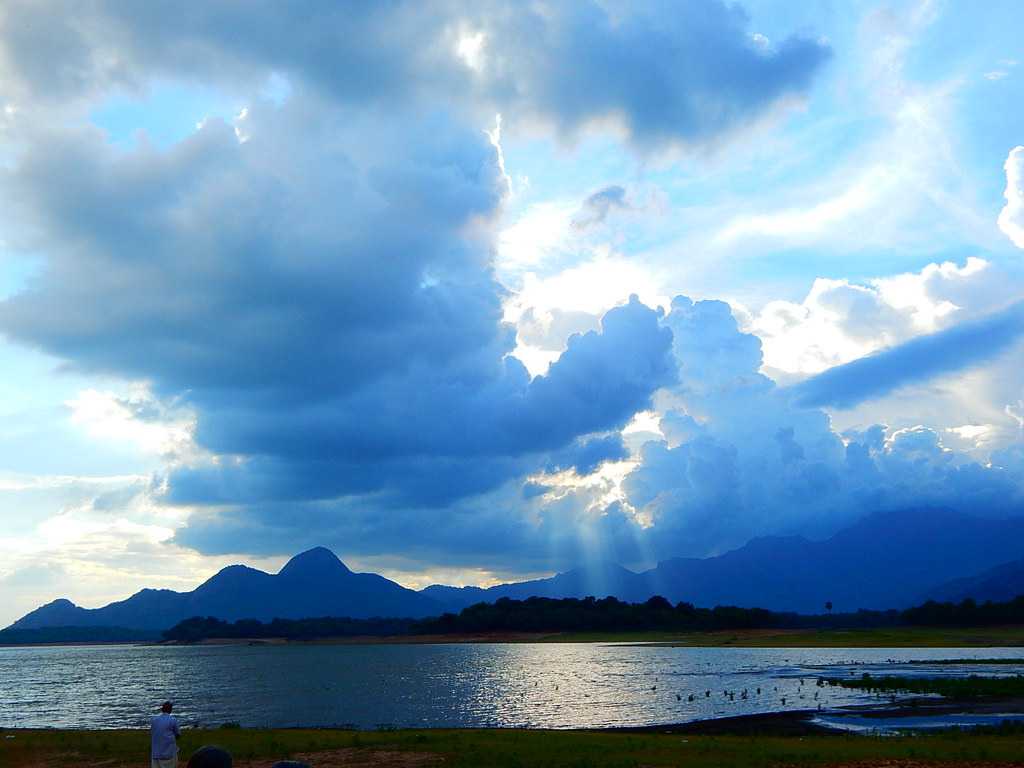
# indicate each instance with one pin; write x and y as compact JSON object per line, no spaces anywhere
{"x":315,"y":562}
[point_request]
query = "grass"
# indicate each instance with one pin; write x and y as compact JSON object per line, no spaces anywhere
{"x":515,"y":748}
{"x":886,"y":637}
{"x":950,"y":687}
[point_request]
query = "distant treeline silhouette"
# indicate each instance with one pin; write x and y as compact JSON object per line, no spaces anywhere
{"x":11,"y":636}
{"x":199,"y":628}
{"x":542,"y":614}
{"x":966,"y":614}
{"x":592,"y":614}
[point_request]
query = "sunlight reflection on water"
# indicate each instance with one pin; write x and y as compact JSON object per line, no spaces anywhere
{"x":371,"y":686}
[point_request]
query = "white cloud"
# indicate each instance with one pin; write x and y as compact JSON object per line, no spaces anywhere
{"x":542,"y":233}
{"x":971,"y":437}
{"x":595,"y":286}
{"x":137,"y":418}
{"x":1011,"y":218}
{"x":101,"y":548}
{"x":584,"y":291}
{"x":816,"y":218}
{"x":840,"y":321}
{"x":470,"y":49}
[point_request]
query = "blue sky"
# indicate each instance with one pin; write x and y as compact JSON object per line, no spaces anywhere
{"x":472,"y":293}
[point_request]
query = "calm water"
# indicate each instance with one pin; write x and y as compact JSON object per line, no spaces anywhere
{"x":371,"y":686}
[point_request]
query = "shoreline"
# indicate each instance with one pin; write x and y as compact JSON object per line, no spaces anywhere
{"x":1000,"y":636}
{"x":795,"y":722}
{"x":1007,"y":636}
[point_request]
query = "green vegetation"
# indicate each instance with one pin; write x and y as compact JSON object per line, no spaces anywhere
{"x":951,"y":687}
{"x":966,"y":614}
{"x":513,"y":748}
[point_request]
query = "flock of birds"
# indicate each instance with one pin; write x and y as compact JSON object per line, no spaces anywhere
{"x":746,"y":693}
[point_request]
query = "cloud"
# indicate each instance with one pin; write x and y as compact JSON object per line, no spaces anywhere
{"x":586,"y":456}
{"x":739,"y":459}
{"x":315,"y":285}
{"x":551,"y":329}
{"x":736,"y":458}
{"x":596,"y":207}
{"x":962,"y":346}
{"x":841,"y":320}
{"x":432,"y":440}
{"x":320,"y":298}
{"x":729,"y":80}
{"x":136,"y":418}
{"x":570,"y":65}
{"x":1011,"y":218}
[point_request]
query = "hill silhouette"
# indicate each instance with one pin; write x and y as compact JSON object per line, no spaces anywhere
{"x":313,"y":583}
{"x":885,"y":561}
{"x":1004,"y":582}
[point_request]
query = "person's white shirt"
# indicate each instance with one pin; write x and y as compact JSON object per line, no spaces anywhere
{"x":163,"y":733}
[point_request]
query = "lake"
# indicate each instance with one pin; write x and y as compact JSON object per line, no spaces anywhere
{"x":460,"y":685}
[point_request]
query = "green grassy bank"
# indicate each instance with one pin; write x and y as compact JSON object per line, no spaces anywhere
{"x":508,"y":748}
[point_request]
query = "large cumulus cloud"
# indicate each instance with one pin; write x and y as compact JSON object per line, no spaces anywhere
{"x":740,"y":458}
{"x":322,"y":297}
{"x":664,"y":73}
{"x":314,"y":283}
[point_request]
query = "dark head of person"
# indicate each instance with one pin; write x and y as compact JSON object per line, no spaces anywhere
{"x":210,"y":757}
{"x":166,"y":707}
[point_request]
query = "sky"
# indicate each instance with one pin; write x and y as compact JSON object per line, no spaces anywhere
{"x":479,"y":292}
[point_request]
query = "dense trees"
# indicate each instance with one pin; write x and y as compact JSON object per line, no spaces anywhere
{"x":199,"y":628}
{"x":967,"y":613}
{"x":543,"y":614}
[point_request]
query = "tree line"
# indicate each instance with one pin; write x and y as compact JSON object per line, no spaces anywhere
{"x":543,"y":614}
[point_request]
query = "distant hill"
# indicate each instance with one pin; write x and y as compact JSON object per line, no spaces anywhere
{"x":600,"y":580}
{"x":314,"y":583}
{"x":886,"y":560}
{"x":883,"y":561}
{"x":890,"y":560}
{"x":1004,"y":582}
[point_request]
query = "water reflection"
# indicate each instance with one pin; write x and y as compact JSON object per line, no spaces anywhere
{"x":370,"y":686}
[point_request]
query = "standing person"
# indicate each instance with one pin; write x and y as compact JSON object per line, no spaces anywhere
{"x":163,"y":736}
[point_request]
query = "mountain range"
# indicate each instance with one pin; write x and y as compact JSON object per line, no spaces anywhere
{"x":999,"y":584}
{"x":314,"y":583}
{"x":886,"y":560}
{"x":890,"y":560}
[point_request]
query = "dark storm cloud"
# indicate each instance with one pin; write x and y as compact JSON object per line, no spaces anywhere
{"x":666,"y":72}
{"x":237,"y":269}
{"x":963,"y":346}
{"x":326,"y":308}
{"x":322,"y":295}
{"x":669,"y":72}
{"x":586,"y":455}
